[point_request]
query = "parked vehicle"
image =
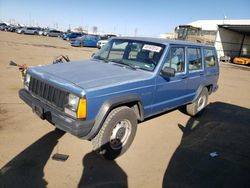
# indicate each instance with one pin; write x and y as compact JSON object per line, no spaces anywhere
{"x":11,"y":28}
{"x":41,"y":31}
{"x":243,"y":60}
{"x":19,"y":30}
{"x":3,"y":26}
{"x":86,"y":40}
{"x":29,"y":30}
{"x":128,"y":80}
{"x":70,"y":36}
{"x":225,"y":58}
{"x":104,"y":40}
{"x":53,"y":33}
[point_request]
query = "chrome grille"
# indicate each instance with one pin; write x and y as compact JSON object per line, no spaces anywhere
{"x":51,"y":94}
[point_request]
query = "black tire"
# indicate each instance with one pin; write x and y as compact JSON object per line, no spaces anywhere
{"x":117,"y":133}
{"x":199,"y":104}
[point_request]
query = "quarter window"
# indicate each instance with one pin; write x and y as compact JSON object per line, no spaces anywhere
{"x":194,"y":59}
{"x":209,"y":55}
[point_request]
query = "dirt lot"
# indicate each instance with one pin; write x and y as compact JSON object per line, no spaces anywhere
{"x":171,"y":150}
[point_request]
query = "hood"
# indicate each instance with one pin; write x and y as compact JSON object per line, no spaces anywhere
{"x":92,"y":74}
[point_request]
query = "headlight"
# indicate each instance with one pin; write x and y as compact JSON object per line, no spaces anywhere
{"x":76,"y":106}
{"x":27,"y":81}
{"x":73,"y":102}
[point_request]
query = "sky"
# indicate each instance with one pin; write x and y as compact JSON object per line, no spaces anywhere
{"x":127,"y":17}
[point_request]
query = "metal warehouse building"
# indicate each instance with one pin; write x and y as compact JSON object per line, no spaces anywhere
{"x":231,"y":37}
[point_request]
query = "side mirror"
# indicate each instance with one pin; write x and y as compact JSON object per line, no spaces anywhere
{"x":168,"y":71}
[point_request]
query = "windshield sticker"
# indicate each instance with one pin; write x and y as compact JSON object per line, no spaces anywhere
{"x":152,"y":48}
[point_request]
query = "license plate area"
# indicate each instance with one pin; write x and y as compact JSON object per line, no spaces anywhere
{"x":38,"y":110}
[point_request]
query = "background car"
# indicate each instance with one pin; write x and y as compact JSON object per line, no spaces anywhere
{"x":19,"y":30}
{"x":11,"y":28}
{"x":53,"y":33}
{"x":104,"y":40}
{"x":3,"y":26}
{"x":70,"y":36}
{"x":225,"y":58}
{"x":86,"y":40}
{"x":29,"y":30}
{"x":243,"y":60}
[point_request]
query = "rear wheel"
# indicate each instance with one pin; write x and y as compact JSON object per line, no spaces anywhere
{"x":117,"y":133}
{"x":199,"y":104}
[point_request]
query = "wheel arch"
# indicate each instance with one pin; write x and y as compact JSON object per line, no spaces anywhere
{"x":199,"y":90}
{"x":132,"y":101}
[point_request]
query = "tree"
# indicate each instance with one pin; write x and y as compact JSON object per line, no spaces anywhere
{"x":79,"y":29}
{"x":95,"y":29}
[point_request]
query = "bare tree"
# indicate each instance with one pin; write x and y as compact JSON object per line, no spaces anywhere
{"x":79,"y":29}
{"x":95,"y":29}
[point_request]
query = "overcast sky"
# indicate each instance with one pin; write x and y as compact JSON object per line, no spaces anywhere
{"x":145,"y":17}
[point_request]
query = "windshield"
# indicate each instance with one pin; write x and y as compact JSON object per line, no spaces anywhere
{"x":132,"y":53}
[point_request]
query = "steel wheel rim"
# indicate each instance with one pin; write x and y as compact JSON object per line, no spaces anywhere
{"x":120,"y":134}
{"x":201,"y":103}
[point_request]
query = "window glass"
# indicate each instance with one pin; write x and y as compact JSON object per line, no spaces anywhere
{"x":194,"y":59}
{"x":176,"y":59}
{"x":133,"y":53}
{"x":209,"y":56}
{"x":117,"y":50}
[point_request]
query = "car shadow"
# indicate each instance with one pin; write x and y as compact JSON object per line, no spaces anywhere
{"x":101,"y":173}
{"x":222,"y":129}
{"x":27,"y":168}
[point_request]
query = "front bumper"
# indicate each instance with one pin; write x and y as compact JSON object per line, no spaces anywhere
{"x":79,"y":128}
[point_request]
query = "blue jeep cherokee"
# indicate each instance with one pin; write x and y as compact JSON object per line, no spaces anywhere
{"x":128,"y":80}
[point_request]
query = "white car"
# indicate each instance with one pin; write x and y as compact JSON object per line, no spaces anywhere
{"x":105,"y":39}
{"x":101,"y":43}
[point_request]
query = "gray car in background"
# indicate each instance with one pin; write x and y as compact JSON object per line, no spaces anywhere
{"x":54,"y":33}
{"x":29,"y":30}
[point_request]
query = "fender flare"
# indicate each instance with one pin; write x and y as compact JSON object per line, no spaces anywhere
{"x":109,"y":105}
{"x":198,"y":92}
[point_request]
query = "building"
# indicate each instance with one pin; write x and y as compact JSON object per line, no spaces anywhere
{"x":231,"y":37}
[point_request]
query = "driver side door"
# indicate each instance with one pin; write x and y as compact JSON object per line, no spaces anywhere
{"x":171,"y":92}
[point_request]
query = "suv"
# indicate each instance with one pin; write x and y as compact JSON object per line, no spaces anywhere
{"x":29,"y":30}
{"x":128,"y":80}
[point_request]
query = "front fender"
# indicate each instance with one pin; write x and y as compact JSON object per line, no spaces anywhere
{"x":109,"y":105}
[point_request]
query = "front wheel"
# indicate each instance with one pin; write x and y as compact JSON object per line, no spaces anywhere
{"x":117,"y":133}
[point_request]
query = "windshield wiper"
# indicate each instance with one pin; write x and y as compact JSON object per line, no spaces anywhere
{"x":120,"y":61}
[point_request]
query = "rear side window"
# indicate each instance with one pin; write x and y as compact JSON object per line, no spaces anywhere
{"x":209,"y":55}
{"x":194,"y":59}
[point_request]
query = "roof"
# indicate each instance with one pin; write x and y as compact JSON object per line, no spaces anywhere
{"x":163,"y":41}
{"x":213,"y":24}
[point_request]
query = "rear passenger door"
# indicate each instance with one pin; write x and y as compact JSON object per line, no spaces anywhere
{"x":195,"y":70}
